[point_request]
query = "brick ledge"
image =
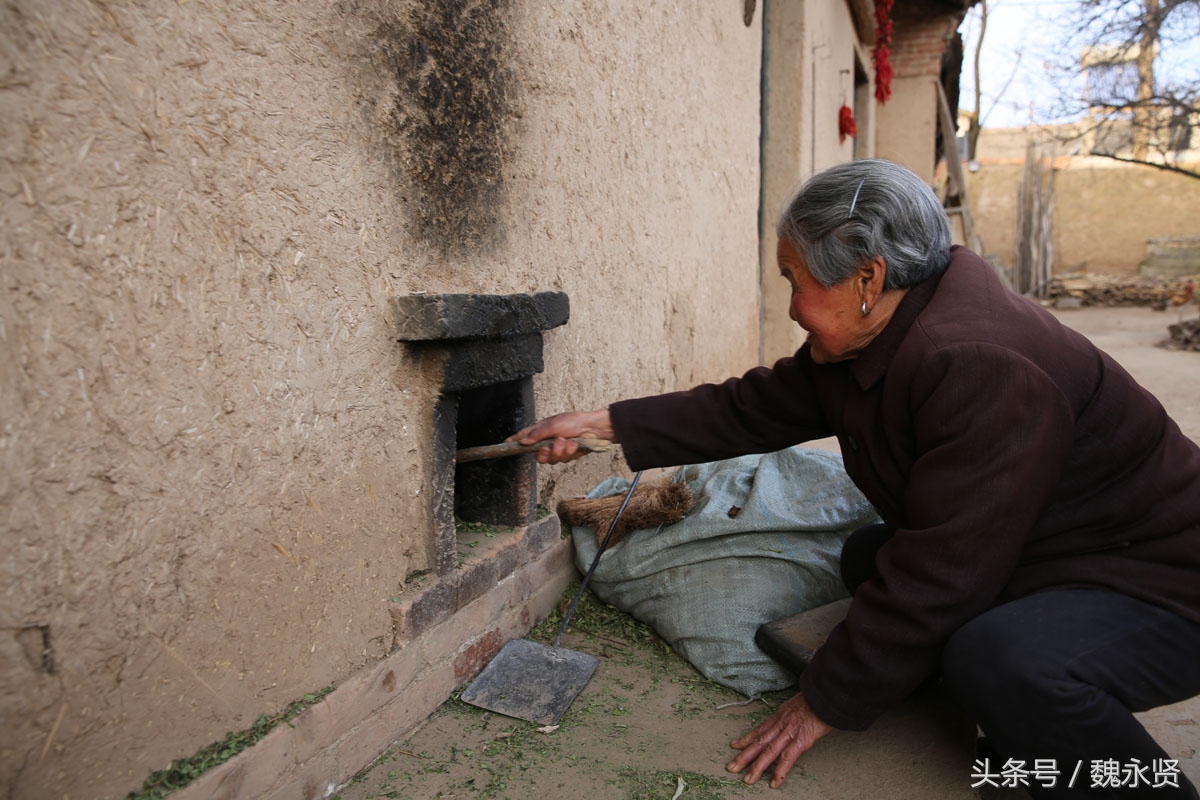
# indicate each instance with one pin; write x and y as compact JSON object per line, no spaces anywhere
{"x":328,"y":744}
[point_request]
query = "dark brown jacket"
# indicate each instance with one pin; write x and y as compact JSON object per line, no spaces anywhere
{"x":1008,"y":454}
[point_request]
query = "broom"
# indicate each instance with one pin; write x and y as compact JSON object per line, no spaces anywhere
{"x":652,"y":505}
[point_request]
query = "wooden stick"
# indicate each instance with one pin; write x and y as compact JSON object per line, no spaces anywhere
{"x":586,"y":443}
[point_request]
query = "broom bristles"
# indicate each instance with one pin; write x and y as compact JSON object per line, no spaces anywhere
{"x":651,"y":505}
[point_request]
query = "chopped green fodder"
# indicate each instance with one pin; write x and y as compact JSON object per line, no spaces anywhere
{"x":594,"y":617}
{"x":183,"y":771}
{"x":663,"y":785}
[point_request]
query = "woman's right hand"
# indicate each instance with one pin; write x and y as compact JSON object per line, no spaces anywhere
{"x":562,"y":428}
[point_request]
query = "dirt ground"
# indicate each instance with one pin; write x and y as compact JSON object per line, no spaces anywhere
{"x":649,"y":726}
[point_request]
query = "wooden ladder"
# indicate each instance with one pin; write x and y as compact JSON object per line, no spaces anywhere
{"x":956,"y":187}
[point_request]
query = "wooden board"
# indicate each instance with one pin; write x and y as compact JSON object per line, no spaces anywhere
{"x":792,"y":641}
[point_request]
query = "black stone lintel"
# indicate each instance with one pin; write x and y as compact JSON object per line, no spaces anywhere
{"x":435,"y":317}
{"x":475,"y":364}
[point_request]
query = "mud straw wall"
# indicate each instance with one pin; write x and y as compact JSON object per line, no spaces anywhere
{"x":214,"y":457}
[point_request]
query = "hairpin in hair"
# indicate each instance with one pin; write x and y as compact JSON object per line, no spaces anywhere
{"x":854,"y":202}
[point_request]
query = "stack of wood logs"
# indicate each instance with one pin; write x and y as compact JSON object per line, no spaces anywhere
{"x":1092,"y":289}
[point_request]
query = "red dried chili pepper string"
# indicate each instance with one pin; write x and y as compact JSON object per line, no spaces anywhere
{"x":880,"y":55}
{"x":846,"y":126}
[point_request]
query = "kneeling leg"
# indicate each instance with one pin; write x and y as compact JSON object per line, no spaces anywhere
{"x":1056,"y":676}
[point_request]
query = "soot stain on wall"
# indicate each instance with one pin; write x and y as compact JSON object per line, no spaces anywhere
{"x":449,"y":125}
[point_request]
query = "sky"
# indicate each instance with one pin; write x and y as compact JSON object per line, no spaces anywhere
{"x":1023,"y":39}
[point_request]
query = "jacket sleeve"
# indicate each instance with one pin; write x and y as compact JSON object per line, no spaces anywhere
{"x":992,"y":432}
{"x":763,"y":411}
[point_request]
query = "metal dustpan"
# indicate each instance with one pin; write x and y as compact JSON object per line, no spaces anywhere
{"x":533,"y":681}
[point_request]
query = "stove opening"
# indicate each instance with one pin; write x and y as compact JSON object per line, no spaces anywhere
{"x":498,"y":491}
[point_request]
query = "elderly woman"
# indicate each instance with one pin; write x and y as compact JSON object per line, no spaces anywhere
{"x":1040,"y":545}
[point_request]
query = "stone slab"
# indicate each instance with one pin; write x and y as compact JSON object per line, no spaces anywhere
{"x":485,"y":362}
{"x":1171,"y":257}
{"x":431,"y":317}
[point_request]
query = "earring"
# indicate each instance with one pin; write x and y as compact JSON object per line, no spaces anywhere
{"x":865,"y":312}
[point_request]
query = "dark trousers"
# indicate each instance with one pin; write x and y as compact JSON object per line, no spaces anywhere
{"x":1054,"y":678}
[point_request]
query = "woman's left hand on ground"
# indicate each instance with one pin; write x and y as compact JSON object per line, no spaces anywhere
{"x":780,"y":741}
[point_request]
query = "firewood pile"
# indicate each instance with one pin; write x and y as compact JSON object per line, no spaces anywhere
{"x":1094,"y":289}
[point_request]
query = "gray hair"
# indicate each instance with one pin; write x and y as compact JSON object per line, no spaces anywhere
{"x":847,"y":215}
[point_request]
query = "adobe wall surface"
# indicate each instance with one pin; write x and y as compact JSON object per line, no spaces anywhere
{"x":908,"y":125}
{"x":811,"y":53}
{"x":215,"y":458}
{"x":1104,"y":212}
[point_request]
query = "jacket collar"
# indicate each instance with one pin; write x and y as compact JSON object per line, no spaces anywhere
{"x":873,"y":361}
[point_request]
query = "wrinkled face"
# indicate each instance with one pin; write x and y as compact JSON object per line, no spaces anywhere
{"x":832,"y":316}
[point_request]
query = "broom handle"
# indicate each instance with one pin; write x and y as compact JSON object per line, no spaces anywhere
{"x":596,"y":561}
{"x":586,"y":444}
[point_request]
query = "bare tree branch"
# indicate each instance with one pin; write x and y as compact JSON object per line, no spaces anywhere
{"x":1128,"y":113}
{"x":975,"y":125}
{"x":1165,"y":167}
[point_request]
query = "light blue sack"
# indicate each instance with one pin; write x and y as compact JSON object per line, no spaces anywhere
{"x":707,"y":582}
